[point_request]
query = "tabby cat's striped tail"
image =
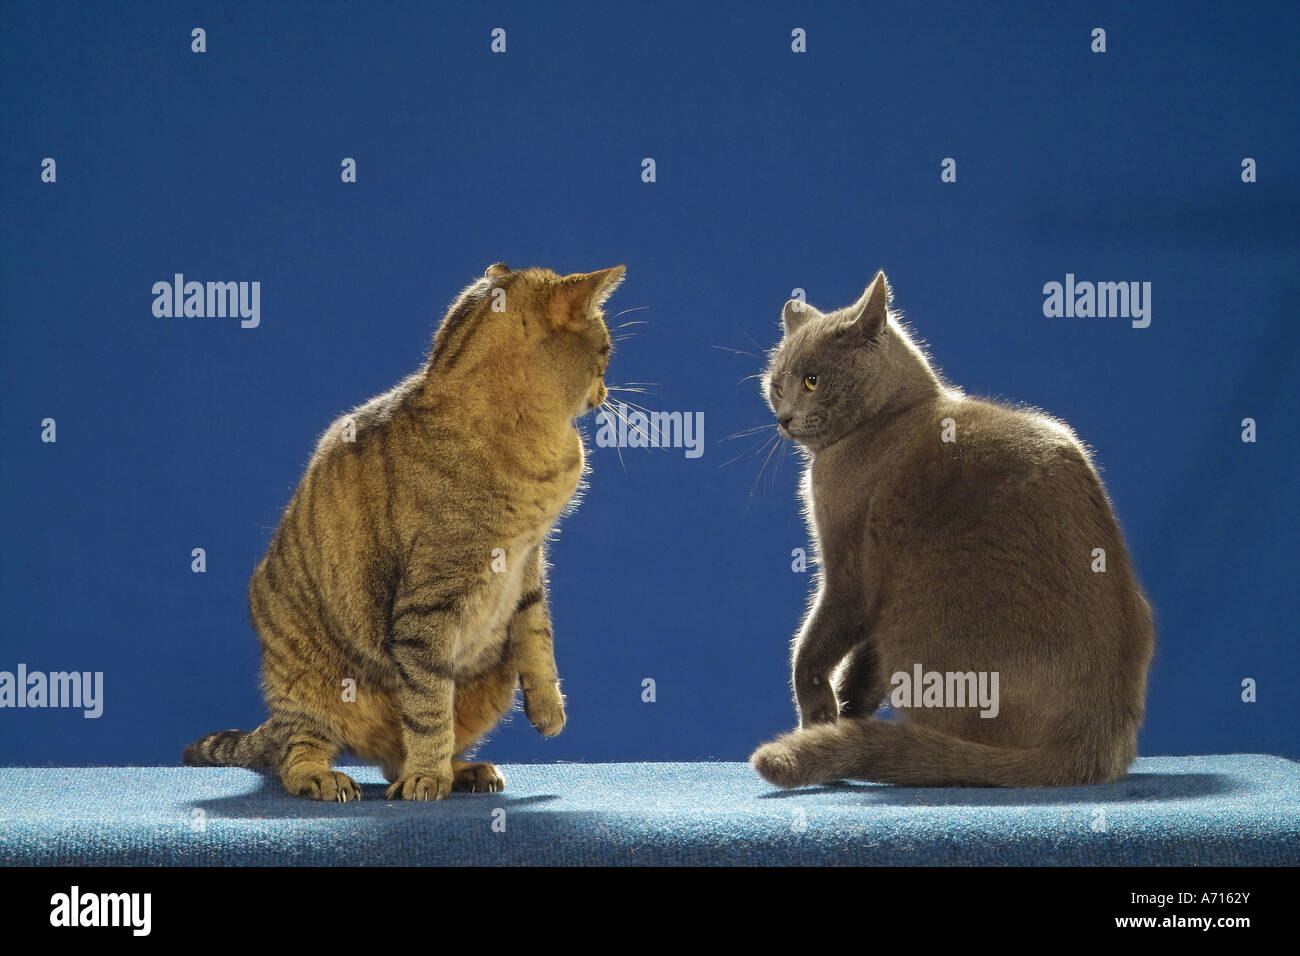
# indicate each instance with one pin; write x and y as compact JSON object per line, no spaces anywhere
{"x":235,"y":748}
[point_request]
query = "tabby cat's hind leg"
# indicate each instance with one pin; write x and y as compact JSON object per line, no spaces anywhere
{"x":306,"y":770}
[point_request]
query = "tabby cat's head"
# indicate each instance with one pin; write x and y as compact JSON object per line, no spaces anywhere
{"x":821,"y":376}
{"x":531,"y":336}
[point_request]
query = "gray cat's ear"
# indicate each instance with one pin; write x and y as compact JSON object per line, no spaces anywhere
{"x":795,"y":314}
{"x":870,"y":313}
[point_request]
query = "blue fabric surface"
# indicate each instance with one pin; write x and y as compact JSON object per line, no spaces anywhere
{"x":1224,"y":810}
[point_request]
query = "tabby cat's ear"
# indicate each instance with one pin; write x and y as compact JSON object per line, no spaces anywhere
{"x":575,"y":298}
{"x":795,"y":314}
{"x":496,"y":270}
{"x":869,"y":314}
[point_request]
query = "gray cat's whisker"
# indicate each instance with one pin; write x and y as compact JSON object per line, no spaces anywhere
{"x":779,"y":458}
{"x":747,"y":451}
{"x":753,"y":451}
{"x":746,"y":432}
{"x":754,"y":487}
{"x":746,"y":335}
{"x":727,"y":348}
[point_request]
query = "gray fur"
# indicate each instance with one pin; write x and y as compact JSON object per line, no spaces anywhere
{"x":969,"y":555}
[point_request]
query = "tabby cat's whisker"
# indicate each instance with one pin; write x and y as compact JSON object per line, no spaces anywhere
{"x":604,"y":407}
{"x":639,"y":308}
{"x":651,"y":434}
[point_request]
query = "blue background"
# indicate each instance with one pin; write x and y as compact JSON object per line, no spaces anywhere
{"x":775,"y":171}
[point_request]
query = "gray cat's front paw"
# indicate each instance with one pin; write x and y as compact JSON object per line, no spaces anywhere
{"x":817,"y":703}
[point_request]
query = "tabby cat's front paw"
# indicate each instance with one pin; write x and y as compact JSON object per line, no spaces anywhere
{"x":328,"y":785}
{"x":545,"y":711}
{"x":422,"y":785}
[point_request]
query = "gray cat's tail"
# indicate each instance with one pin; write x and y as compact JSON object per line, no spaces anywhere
{"x":913,"y":756}
{"x":234,"y":748}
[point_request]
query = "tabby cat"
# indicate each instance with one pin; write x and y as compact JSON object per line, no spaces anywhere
{"x":409,"y":565}
{"x":955,"y":537}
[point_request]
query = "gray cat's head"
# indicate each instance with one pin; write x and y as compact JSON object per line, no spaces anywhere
{"x":821,"y":376}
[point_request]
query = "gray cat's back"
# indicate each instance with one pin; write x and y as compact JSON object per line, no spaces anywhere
{"x":957,"y":536}
{"x":967,"y":466}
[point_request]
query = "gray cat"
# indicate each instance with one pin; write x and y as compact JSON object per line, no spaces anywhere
{"x":971,"y":574}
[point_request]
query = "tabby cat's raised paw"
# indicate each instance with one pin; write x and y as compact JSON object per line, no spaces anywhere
{"x":545,"y":711}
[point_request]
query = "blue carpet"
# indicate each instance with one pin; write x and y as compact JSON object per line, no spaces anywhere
{"x":1228,"y":810}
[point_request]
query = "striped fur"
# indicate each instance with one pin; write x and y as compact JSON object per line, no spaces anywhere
{"x":411,"y":559}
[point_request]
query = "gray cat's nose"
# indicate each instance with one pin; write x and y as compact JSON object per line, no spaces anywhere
{"x":784,"y":420}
